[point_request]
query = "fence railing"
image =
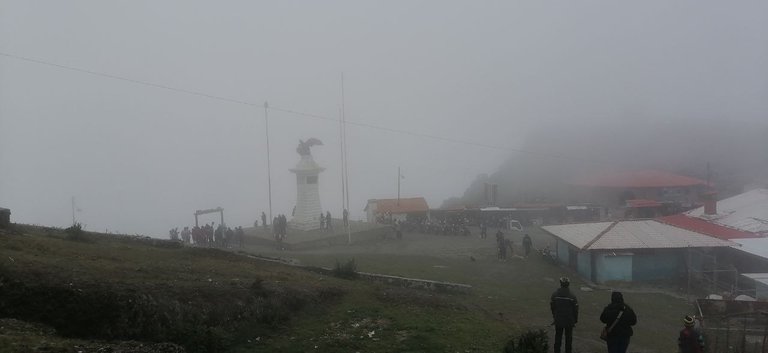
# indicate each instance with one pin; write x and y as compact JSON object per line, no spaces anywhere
{"x":734,"y":326}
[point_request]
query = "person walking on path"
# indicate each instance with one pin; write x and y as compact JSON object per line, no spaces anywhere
{"x":618,"y":318}
{"x":565,"y":313}
{"x":503,"y":248}
{"x":499,"y":244}
{"x":690,"y":339}
{"x":527,"y":244}
{"x":264,"y":220}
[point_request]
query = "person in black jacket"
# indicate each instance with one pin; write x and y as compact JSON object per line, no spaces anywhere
{"x":565,"y":312}
{"x":620,"y":332}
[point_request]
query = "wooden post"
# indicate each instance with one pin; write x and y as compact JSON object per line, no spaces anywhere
{"x":714,"y":273}
{"x":688,"y":272}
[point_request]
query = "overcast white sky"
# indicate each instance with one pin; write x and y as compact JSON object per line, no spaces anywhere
{"x":140,"y":159}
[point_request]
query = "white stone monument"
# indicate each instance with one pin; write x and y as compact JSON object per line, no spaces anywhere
{"x":306,"y":216}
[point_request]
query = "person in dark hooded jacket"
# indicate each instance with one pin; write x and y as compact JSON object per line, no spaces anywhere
{"x":565,"y":312}
{"x":619,"y":334}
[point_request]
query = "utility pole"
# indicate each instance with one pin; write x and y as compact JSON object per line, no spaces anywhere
{"x":341,"y":155}
{"x":398,"y":185}
{"x":73,"y":211}
{"x":345,"y":161}
{"x":344,"y":132}
{"x":269,"y":170}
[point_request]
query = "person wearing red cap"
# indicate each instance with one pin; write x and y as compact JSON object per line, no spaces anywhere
{"x":690,"y":339}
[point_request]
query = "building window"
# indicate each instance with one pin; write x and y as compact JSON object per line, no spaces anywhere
{"x":312,"y":179}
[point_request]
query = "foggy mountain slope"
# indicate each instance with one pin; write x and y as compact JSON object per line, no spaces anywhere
{"x":736,"y":153}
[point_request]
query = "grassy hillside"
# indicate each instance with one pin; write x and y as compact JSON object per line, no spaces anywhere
{"x":63,"y":295}
{"x":105,"y":290}
{"x":511,"y":296}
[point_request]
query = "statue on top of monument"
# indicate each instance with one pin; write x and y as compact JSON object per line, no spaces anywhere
{"x":303,"y":149}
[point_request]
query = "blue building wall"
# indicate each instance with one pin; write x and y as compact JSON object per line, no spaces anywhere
{"x":584,"y":264}
{"x":609,"y":267}
{"x":562,"y":251}
{"x":658,"y":265}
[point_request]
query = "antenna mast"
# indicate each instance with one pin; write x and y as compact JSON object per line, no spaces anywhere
{"x":269,"y":170}
{"x":345,"y":162}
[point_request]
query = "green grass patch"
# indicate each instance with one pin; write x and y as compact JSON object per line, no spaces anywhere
{"x":212,"y":300}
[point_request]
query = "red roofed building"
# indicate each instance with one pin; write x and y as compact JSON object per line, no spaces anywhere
{"x":614,"y":189}
{"x":643,"y":209}
{"x":739,"y":220}
{"x":706,"y":227}
{"x":639,"y":179}
{"x":640,"y":203}
{"x":396,"y":209}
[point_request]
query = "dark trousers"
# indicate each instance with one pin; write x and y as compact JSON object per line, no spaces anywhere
{"x":559,"y":331}
{"x":618,"y":344}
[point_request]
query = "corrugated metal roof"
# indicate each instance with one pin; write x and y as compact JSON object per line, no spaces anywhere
{"x":578,"y":234}
{"x":706,"y":227}
{"x":641,"y":234}
{"x":747,"y":212}
{"x":757,"y":277}
{"x":754,"y":246}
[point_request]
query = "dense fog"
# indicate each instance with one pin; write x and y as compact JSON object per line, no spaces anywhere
{"x":146,"y":111}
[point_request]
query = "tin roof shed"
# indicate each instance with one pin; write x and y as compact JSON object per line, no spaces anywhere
{"x":747,"y":212}
{"x":754,"y":246}
{"x":634,"y":234}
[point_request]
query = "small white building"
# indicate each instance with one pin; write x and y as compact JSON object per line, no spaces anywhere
{"x":634,"y":250}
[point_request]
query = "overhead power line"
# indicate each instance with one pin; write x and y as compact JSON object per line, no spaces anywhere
{"x":297,"y":113}
{"x":121,"y":78}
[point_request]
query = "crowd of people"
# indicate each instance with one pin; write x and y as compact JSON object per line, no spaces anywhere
{"x":326,"y":222}
{"x":280,"y":230}
{"x":458,"y":226}
{"x":504,"y":246}
{"x":210,"y":236}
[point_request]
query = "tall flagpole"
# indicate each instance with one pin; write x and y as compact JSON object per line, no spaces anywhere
{"x":73,"y":211}
{"x":344,"y":154}
{"x":341,"y":149}
{"x":269,"y":170}
{"x":398,"y":186}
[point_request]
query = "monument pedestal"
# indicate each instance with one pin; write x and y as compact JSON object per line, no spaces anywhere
{"x":307,"y":213}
